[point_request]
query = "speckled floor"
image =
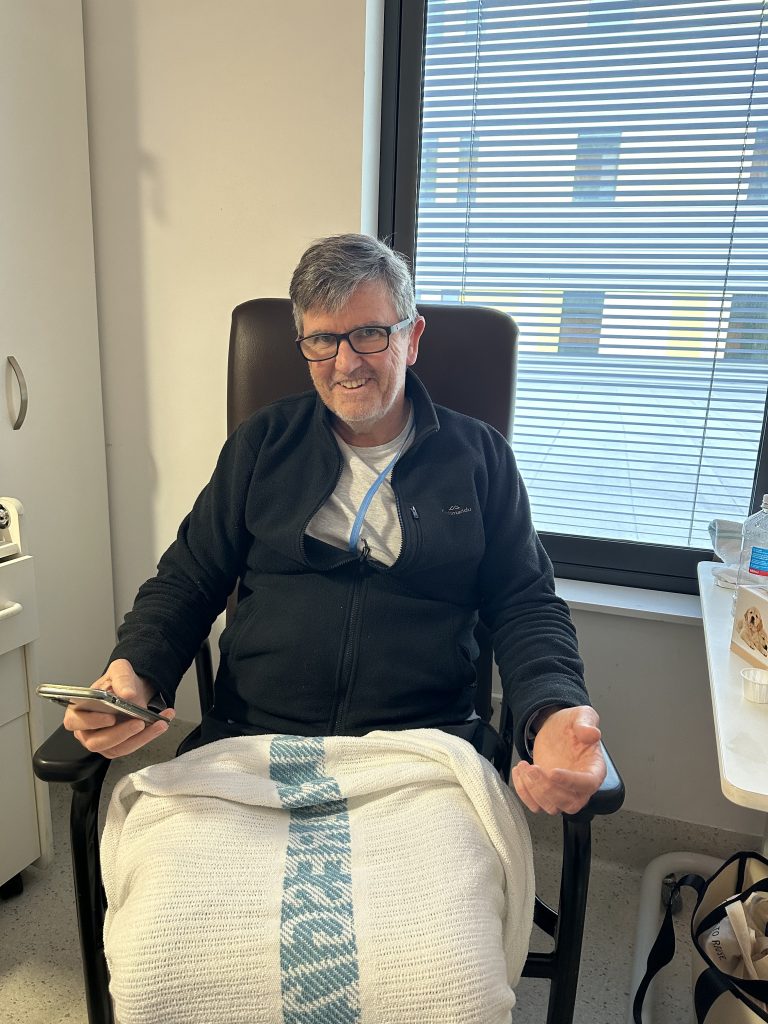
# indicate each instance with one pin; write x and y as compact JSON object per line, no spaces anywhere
{"x":40,"y":973}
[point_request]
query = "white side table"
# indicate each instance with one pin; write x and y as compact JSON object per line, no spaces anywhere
{"x":25,"y":816}
{"x":741,"y":734}
{"x":741,"y":727}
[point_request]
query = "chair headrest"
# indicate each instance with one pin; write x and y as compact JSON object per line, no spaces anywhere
{"x":467,"y":359}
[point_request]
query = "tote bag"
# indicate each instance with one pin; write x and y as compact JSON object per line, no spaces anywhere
{"x":729,"y":929}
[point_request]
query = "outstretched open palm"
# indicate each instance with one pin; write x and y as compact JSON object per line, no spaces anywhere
{"x":568,"y":765}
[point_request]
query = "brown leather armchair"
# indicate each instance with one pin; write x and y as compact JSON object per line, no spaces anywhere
{"x":467,"y":360}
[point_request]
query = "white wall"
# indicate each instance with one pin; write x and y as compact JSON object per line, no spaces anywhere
{"x":224,"y":137}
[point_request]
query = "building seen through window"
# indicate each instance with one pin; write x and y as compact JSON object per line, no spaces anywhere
{"x":596,"y":167}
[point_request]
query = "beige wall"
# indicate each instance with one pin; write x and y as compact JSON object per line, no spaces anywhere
{"x":224,"y":137}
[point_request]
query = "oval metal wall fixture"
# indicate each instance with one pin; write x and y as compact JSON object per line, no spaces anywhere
{"x":23,"y":392}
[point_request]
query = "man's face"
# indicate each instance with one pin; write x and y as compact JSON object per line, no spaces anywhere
{"x":365,"y":392}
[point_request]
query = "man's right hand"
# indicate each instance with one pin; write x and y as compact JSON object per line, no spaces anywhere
{"x":110,"y":734}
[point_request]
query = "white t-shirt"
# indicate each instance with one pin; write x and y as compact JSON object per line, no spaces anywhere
{"x":381,"y":529}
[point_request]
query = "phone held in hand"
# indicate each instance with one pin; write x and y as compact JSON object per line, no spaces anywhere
{"x":86,"y":699}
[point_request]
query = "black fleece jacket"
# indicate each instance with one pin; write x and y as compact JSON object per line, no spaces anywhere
{"x":325,"y":642}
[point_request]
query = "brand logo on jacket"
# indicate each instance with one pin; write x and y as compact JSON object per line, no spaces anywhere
{"x":457,"y":510}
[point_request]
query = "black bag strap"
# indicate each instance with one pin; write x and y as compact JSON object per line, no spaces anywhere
{"x":663,"y":948}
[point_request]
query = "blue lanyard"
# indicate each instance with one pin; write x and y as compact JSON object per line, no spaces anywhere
{"x":357,"y":526}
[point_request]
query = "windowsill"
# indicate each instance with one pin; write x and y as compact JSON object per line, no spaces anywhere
{"x":630,"y":602}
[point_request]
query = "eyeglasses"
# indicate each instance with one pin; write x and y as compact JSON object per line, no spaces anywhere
{"x":363,"y":340}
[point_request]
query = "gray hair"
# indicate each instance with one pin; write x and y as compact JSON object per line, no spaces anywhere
{"x":332,"y":268}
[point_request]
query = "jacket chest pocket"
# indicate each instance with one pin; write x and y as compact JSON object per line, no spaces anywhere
{"x":452,"y":533}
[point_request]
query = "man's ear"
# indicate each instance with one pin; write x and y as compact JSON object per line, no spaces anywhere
{"x":413,"y":342}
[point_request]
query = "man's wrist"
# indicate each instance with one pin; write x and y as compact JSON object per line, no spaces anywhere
{"x":535,"y":722}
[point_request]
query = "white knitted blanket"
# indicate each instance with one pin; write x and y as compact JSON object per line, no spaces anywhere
{"x":386,"y":879}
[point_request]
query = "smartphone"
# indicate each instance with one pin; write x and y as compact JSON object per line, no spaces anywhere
{"x":86,"y":699}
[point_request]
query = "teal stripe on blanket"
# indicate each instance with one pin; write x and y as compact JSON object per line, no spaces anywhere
{"x":318,"y":949}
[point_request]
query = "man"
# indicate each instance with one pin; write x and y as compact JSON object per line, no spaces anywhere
{"x":358,"y":593}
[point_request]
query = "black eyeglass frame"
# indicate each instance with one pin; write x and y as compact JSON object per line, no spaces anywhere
{"x":393,"y":329}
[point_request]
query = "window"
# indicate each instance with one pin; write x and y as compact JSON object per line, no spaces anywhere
{"x":757,"y":178}
{"x":597,"y":161}
{"x":581,"y":321}
{"x":747,"y":338}
{"x":445,"y":160}
{"x":598,"y":169}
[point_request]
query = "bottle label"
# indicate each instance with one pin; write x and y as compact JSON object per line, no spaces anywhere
{"x":758,"y":562}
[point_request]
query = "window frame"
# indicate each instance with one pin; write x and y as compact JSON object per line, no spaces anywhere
{"x":623,"y":563}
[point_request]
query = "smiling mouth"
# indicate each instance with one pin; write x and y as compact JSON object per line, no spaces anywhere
{"x":352,"y":385}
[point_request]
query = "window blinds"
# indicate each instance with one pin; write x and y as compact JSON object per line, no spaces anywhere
{"x":599,"y":170}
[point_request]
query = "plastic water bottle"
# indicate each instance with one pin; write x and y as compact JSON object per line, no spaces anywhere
{"x":753,"y":564}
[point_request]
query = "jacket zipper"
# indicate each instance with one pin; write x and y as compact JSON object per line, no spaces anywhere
{"x":411,"y":534}
{"x":350,"y":641}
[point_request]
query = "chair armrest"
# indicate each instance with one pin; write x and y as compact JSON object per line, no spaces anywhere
{"x":608,"y":798}
{"x":61,"y":758}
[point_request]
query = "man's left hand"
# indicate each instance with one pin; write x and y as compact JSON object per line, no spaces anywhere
{"x":568,"y":765}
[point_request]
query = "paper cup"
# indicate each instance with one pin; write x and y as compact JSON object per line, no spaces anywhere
{"x":754,"y":683}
